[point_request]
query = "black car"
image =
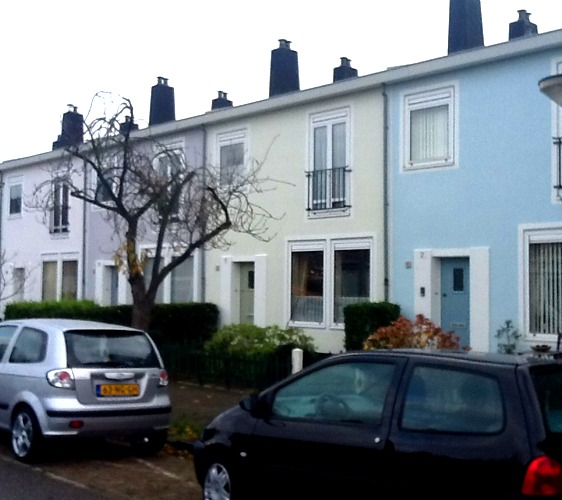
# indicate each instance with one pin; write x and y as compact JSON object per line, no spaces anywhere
{"x":393,"y":424}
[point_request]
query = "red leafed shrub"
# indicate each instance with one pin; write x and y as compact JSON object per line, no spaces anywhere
{"x":422,"y":333}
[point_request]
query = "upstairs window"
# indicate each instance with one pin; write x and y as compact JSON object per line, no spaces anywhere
{"x":15,"y":199}
{"x":169,"y":162}
{"x":232,"y":157}
{"x":429,"y":128}
{"x":60,"y":210}
{"x":328,"y":174}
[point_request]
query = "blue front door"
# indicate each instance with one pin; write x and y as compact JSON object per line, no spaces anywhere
{"x":455,"y":298}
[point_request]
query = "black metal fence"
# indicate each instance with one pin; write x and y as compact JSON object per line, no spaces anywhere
{"x":253,"y":372}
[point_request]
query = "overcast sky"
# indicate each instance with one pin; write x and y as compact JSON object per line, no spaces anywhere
{"x":61,"y":52}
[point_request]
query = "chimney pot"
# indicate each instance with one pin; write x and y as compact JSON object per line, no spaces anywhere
{"x":162,"y":103}
{"x":523,"y":26}
{"x":284,"y":71}
{"x":344,"y":70}
{"x":221,"y":101}
{"x":465,"y":25}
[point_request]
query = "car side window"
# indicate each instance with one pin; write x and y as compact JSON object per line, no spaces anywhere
{"x":351,"y":392}
{"x":30,"y":346}
{"x":447,"y":400}
{"x":6,"y":334}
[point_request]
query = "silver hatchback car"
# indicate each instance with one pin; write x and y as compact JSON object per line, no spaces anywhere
{"x":72,"y":378}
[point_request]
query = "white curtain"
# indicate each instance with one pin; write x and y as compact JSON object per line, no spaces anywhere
{"x":545,"y":287}
{"x":429,"y":134}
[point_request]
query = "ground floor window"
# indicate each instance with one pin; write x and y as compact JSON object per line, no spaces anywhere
{"x":543,"y":279}
{"x":181,"y":282}
{"x":545,"y":287}
{"x":327,"y":275}
{"x":59,"y":279}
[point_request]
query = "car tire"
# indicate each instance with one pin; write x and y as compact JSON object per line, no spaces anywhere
{"x":26,"y":436}
{"x":218,"y":482}
{"x":150,"y":444}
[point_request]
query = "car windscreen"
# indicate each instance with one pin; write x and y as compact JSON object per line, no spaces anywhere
{"x":548,"y":383}
{"x":109,"y":348}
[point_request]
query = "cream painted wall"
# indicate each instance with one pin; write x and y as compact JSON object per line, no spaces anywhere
{"x":281,"y":141}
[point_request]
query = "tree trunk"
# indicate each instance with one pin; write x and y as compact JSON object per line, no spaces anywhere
{"x":142,"y":304}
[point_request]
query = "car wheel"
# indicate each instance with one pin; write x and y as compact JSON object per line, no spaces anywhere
{"x":150,"y":444}
{"x":218,"y":482}
{"x":26,"y":435}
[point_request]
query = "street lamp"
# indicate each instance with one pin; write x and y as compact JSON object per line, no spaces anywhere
{"x":552,"y":87}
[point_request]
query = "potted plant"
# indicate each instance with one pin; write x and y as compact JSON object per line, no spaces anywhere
{"x":508,"y":336}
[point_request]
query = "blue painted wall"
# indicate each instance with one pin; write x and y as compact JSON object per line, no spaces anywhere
{"x":503,"y":178}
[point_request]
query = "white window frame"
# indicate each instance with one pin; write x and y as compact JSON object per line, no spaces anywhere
{"x":59,"y":260}
{"x":529,"y":234}
{"x":161,"y":156}
{"x":230,"y":138}
{"x":57,"y":227}
{"x":348,"y":245}
{"x":445,"y":94}
{"x":14,"y":182}
{"x":328,"y":245}
{"x":329,"y":119}
{"x":164,"y":295}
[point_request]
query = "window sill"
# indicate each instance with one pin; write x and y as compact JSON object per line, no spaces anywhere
{"x":329,"y":213}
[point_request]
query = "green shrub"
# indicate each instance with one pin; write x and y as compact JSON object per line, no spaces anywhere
{"x":65,"y":308}
{"x":245,"y":339}
{"x":364,"y":318}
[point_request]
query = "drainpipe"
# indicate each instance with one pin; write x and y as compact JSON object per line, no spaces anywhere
{"x":385,"y":174}
{"x":203,"y":251}
{"x":84,"y":232}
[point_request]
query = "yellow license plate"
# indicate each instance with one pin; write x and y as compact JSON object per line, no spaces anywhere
{"x":105,"y":390}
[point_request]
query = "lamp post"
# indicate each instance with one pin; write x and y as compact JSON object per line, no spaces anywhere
{"x":551,"y":86}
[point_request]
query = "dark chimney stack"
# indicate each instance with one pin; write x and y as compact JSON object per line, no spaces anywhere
{"x":523,"y":26}
{"x":465,"y":25}
{"x":162,"y":105}
{"x":72,"y":132}
{"x":344,"y":70}
{"x":284,"y":74}
{"x":127,"y":126}
{"x":221,"y":101}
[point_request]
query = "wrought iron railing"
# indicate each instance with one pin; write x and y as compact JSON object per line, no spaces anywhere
{"x":328,"y":188}
{"x":558,"y":184}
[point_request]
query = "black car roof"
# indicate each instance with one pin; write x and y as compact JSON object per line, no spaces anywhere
{"x":452,"y":354}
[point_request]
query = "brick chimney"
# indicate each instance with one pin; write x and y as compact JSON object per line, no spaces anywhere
{"x":284,"y":73}
{"x":465,"y":25}
{"x":523,"y":26}
{"x":72,"y":132}
{"x":162,"y":105}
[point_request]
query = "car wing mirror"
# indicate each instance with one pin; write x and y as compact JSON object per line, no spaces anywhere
{"x":257,"y":407}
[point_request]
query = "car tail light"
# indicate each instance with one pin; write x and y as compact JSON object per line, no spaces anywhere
{"x":63,"y":379}
{"x":543,"y":477}
{"x":163,"y":381}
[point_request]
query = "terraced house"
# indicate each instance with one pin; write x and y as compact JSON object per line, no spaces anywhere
{"x":434,"y":185}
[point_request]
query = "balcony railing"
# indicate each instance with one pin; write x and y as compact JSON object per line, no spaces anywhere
{"x":328,"y":189}
{"x":558,"y":185}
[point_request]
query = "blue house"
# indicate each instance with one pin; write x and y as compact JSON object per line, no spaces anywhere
{"x":475,"y":202}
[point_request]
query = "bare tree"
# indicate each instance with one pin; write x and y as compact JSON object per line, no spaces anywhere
{"x":149,"y":192}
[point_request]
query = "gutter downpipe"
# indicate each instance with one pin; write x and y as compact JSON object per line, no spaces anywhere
{"x":84,"y":234}
{"x":203,"y":251}
{"x":385,"y":174}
